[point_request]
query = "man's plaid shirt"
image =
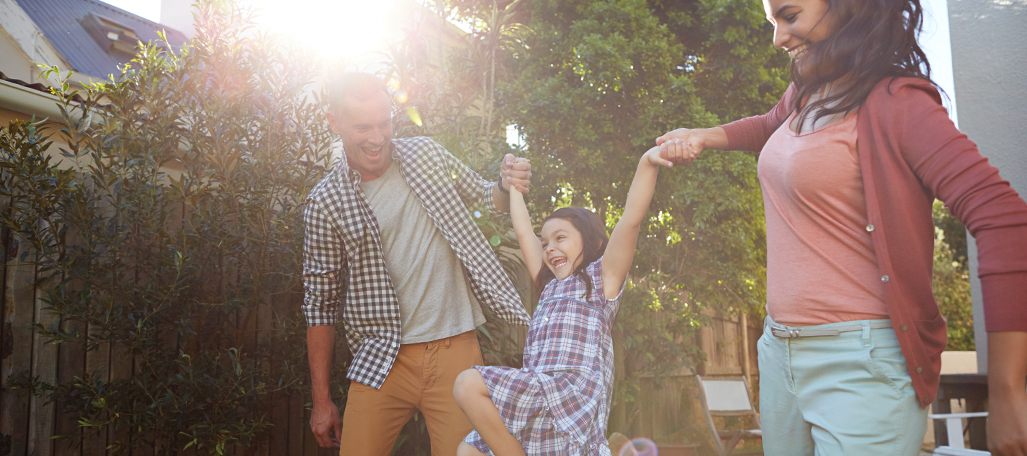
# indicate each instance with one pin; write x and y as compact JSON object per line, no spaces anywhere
{"x":344,"y":266}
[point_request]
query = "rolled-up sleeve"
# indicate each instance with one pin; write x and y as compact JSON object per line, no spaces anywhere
{"x":323,"y":267}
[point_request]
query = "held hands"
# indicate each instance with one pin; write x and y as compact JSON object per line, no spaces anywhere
{"x":515,"y":173}
{"x":324,"y":419}
{"x":681,"y":146}
{"x":654,"y":157}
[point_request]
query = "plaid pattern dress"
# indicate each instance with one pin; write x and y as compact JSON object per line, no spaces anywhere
{"x":559,"y":402}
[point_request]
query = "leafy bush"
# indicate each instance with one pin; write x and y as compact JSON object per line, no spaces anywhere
{"x":168,"y":228}
{"x":952,"y":278}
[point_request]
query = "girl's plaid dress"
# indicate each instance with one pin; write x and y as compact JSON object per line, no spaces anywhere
{"x":558,"y":403}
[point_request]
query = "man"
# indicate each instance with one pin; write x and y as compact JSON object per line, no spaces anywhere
{"x":390,"y":246}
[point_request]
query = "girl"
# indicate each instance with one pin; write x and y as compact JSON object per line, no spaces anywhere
{"x":850,"y":162}
{"x":558,"y":403}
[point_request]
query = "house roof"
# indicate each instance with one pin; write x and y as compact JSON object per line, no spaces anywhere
{"x":92,"y":36}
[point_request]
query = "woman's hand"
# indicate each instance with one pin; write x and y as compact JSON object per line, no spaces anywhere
{"x":1007,"y":425}
{"x":1007,"y":393}
{"x":683,"y":145}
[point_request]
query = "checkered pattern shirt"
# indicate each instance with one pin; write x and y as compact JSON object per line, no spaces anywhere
{"x":344,"y":266}
{"x":559,"y":402}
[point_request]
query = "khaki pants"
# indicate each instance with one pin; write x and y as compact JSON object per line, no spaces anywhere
{"x":421,"y":379}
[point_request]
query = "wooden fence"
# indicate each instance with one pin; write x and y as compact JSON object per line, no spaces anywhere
{"x":668,"y":410}
{"x":28,"y":424}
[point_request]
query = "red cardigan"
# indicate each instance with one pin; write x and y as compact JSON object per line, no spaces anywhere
{"x":910,"y":153}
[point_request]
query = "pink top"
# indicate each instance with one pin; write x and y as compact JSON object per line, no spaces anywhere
{"x":910,"y":153}
{"x":821,"y":266}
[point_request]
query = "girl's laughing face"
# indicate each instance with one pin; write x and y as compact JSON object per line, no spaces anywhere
{"x":561,"y":247}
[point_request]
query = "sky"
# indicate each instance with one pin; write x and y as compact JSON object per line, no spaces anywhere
{"x":363,"y":27}
{"x":149,"y":9}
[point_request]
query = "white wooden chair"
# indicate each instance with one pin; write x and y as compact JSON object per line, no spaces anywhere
{"x":954,"y":428}
{"x":728,"y":397}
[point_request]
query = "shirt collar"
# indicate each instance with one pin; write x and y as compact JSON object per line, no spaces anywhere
{"x":346,"y":174}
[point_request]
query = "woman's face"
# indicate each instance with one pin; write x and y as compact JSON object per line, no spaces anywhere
{"x":797,"y":23}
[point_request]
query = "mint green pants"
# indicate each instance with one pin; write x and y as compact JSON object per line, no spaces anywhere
{"x":848,"y":394}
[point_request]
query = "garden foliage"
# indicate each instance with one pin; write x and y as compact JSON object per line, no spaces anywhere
{"x":167,"y":230}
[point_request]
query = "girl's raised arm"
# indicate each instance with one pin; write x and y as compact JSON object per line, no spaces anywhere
{"x":531,"y":246}
{"x":621,"y":248}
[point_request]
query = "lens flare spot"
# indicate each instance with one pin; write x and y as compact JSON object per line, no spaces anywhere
{"x":414,"y":116}
{"x":401,"y":96}
{"x":494,"y":240}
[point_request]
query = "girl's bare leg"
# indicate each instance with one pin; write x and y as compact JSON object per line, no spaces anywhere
{"x":473,"y":398}
{"x":466,"y":450}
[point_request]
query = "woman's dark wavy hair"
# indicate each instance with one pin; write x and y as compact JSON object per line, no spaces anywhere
{"x":593,"y":244}
{"x":874,"y":39}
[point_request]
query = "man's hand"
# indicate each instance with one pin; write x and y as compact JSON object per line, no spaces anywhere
{"x":324,"y":419}
{"x":515,"y":172}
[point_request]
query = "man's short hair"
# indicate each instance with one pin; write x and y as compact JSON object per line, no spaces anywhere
{"x":354,"y":85}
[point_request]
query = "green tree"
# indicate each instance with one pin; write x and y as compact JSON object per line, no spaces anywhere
{"x":590,"y":86}
{"x":952,"y":278}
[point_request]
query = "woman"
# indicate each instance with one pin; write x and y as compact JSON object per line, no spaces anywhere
{"x":850,"y":161}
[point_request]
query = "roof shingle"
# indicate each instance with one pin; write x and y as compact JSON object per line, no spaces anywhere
{"x":61,"y":21}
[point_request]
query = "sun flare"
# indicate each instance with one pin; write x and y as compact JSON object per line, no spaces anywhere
{"x":343,"y":29}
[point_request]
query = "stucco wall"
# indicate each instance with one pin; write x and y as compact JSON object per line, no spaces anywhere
{"x":989,"y":53}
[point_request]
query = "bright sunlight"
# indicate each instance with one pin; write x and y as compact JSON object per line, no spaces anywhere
{"x":335,"y":29}
{"x":345,"y":30}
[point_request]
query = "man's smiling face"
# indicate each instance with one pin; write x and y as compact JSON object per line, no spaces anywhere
{"x":365,"y":126}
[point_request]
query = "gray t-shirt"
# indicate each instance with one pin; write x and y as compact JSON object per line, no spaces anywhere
{"x":435,"y":297}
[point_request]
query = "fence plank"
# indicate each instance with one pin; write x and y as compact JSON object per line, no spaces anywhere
{"x":310,"y":447}
{"x":44,"y":366}
{"x":296,"y":423}
{"x":98,"y":368}
{"x":71,"y":362}
{"x":279,"y":442}
{"x":147,"y":448}
{"x":19,"y":305}
{"x":121,"y":368}
{"x":6,"y":338}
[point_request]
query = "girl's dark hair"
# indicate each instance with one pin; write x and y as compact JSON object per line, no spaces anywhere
{"x":593,"y":244}
{"x":874,"y":39}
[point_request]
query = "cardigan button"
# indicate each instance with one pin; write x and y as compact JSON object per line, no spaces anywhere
{"x":885,"y":278}
{"x":919,"y":370}
{"x":870,"y":227}
{"x":903,"y":327}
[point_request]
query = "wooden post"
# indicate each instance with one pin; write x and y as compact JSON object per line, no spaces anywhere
{"x":746,"y":369}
